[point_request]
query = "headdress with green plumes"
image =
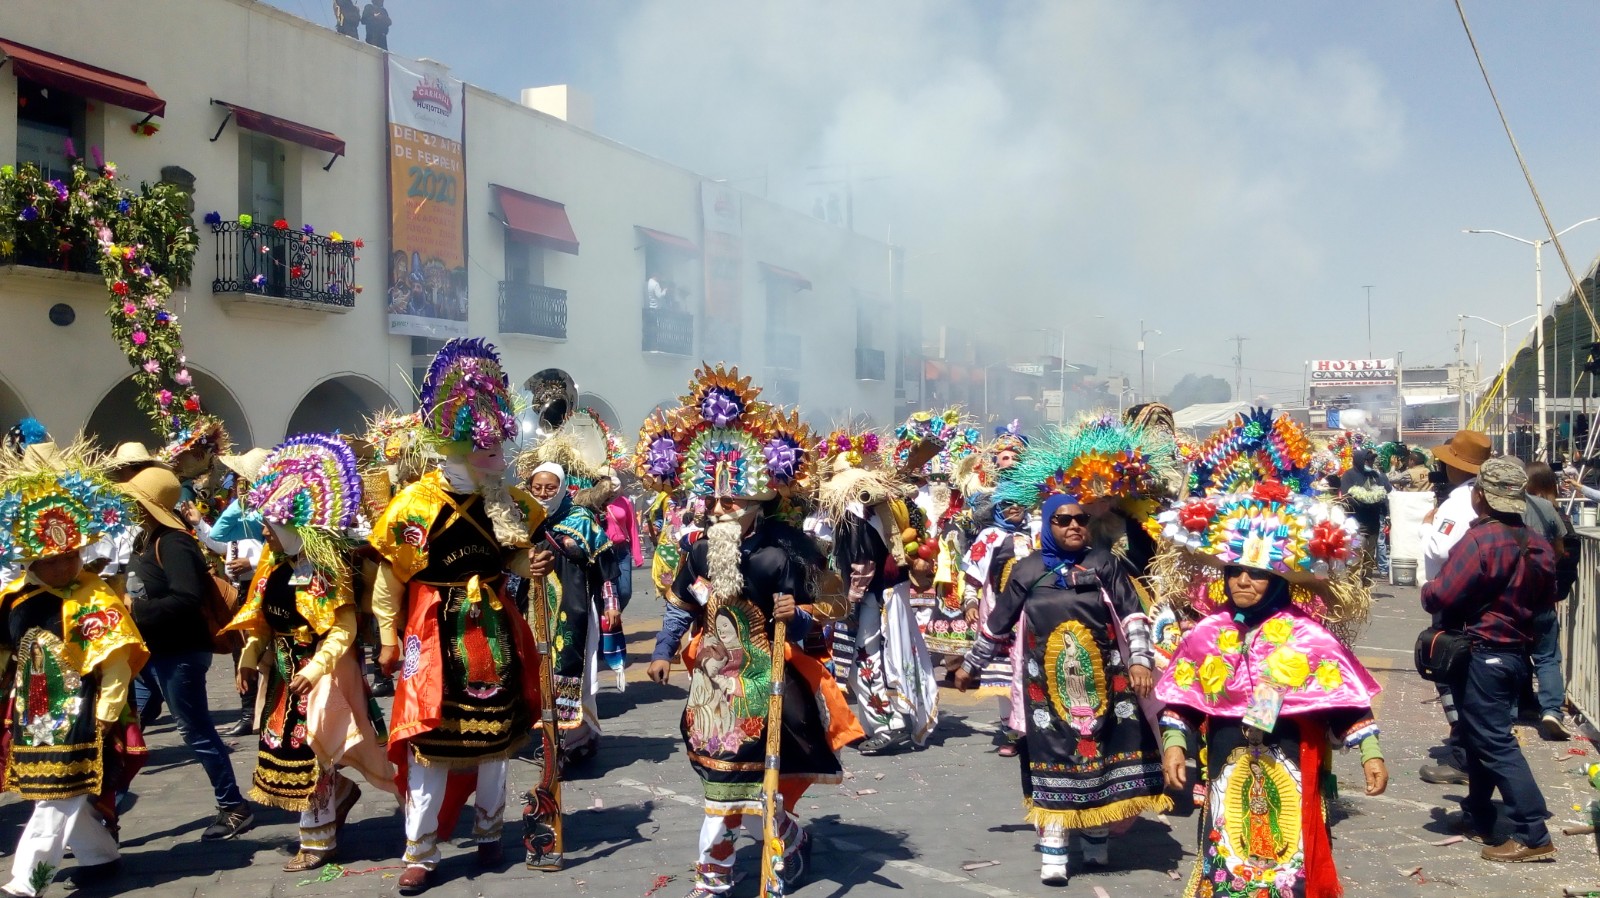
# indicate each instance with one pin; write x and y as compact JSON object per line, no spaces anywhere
{"x":1099,"y":458}
{"x":56,"y":500}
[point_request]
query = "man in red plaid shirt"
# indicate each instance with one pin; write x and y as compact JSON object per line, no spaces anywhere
{"x":1495,"y":581}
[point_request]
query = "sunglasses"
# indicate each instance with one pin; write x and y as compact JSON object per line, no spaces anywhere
{"x":1233,"y":570}
{"x":1062,"y":520}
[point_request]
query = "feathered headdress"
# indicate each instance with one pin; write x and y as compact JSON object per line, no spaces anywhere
{"x":466,"y":397}
{"x":1250,"y":449}
{"x":204,"y":432}
{"x":1008,"y":438}
{"x":312,"y":483}
{"x":56,"y":500}
{"x":723,"y":441}
{"x":1099,"y":458}
{"x":25,"y":433}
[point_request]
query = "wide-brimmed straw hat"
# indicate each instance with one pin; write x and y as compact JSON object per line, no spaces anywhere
{"x":158,"y":492}
{"x":1466,"y":451}
{"x":247,"y":465}
{"x":132,"y":455}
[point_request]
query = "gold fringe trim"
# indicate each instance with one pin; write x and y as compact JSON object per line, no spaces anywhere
{"x":282,"y":802}
{"x":480,"y":727}
{"x":1104,"y":815}
{"x":20,"y":769}
{"x":468,"y":763}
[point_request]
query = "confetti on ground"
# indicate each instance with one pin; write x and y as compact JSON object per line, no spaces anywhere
{"x":1173,"y":874}
{"x":861,"y":792}
{"x":1450,"y":841}
{"x":1101,"y":893}
{"x":969,"y":866}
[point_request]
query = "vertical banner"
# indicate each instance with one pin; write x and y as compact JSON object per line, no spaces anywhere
{"x":427,"y":265}
{"x":724,"y":280}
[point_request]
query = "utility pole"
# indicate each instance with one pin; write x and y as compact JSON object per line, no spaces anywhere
{"x":1238,"y":365}
{"x":1461,"y":372}
{"x":1368,"y":288}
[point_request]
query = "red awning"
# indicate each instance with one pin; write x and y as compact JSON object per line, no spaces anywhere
{"x":798,"y":280}
{"x":82,"y":79}
{"x":932,"y":370}
{"x":294,"y":132}
{"x":668,"y":241}
{"x":537,"y":219}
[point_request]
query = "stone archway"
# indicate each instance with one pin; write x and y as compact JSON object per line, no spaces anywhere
{"x":118,"y":419}
{"x":341,"y":403}
{"x":12,"y":408}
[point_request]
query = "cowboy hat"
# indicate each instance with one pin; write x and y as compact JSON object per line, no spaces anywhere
{"x":1466,"y":451}
{"x":158,"y":492}
{"x":247,"y":465}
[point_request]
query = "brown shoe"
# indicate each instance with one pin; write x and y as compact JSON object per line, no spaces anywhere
{"x":308,"y":859}
{"x":414,"y":880}
{"x":490,"y":854}
{"x":1513,"y":852}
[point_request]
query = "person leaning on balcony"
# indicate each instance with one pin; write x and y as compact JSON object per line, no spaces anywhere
{"x":346,"y":18}
{"x":377,"y":20}
{"x":655,"y":294}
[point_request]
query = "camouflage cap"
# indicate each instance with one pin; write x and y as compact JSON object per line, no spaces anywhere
{"x":1504,"y":483}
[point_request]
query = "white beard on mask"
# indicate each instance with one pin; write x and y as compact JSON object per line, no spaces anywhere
{"x":722,"y":557}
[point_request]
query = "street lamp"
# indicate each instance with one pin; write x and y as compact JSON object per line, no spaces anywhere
{"x":1154,"y":381}
{"x":1142,"y":334}
{"x":1538,"y":312}
{"x":1061,"y":414}
{"x":1505,"y":379}
{"x":1125,"y":391}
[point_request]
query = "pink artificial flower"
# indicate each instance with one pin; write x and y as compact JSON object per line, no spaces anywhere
{"x":139,"y":338}
{"x":129,"y":308}
{"x":165,"y":397}
{"x":182,"y":377}
{"x":152,"y":367}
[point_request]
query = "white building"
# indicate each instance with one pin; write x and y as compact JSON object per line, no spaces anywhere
{"x":816,"y":325}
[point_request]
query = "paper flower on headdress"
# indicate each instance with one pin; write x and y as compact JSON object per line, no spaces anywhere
{"x":23,"y":434}
{"x":1008,"y":438}
{"x":1251,"y":448}
{"x":466,"y":398}
{"x":206,"y":432}
{"x":1099,"y":458}
{"x":948,"y":430}
{"x":723,"y":441}
{"x":394,"y":436}
{"x":309,"y":481}
{"x":855,"y":449}
{"x":1342,"y":449}
{"x":1268,"y":529}
{"x":56,"y":501}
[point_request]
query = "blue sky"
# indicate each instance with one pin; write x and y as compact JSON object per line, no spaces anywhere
{"x":1218,"y":169}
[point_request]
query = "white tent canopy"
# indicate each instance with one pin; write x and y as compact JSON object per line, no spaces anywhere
{"x":1208,"y":416}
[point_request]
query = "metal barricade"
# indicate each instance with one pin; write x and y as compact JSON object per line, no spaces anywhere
{"x":1580,"y":631}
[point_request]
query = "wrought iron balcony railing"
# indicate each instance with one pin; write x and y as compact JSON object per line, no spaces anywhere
{"x":533,"y":310}
{"x":783,"y":350}
{"x":669,"y":331}
{"x":869,"y":364}
{"x":282,"y":263}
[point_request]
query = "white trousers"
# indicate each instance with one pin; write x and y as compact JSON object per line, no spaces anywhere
{"x":425,"y":788}
{"x":54,"y":827}
{"x":319,"y":821}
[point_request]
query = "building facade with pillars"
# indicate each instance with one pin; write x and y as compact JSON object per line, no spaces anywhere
{"x":809,"y":309}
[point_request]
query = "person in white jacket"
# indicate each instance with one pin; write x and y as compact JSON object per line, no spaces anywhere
{"x":1441,"y":530}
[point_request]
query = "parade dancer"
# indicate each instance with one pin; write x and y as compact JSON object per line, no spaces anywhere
{"x":1262,"y":676}
{"x":986,"y":571}
{"x":314,"y":714}
{"x":468,"y":667}
{"x":878,"y":648}
{"x":748,"y":572}
{"x":72,"y":744}
{"x":1090,"y":758}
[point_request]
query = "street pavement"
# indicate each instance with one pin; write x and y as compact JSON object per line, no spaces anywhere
{"x":945,"y":821}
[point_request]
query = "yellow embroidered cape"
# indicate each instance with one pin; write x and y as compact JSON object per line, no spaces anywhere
{"x":318,"y":601}
{"x":94,"y":625}
{"x":401,"y":533}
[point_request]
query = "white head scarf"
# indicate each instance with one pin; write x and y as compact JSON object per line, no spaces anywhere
{"x":554,"y":502}
{"x":289,"y":538}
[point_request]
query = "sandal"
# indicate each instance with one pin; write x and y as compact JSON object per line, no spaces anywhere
{"x":308,"y":859}
{"x":1009,"y":750}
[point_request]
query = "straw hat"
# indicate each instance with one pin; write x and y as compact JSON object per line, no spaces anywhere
{"x":247,"y":465}
{"x":158,"y":492}
{"x":132,"y":455}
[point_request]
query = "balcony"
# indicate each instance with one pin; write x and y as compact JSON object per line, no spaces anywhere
{"x":668,"y":331}
{"x":299,"y":269}
{"x":783,"y":350}
{"x":869,"y":364}
{"x":532,"y":310}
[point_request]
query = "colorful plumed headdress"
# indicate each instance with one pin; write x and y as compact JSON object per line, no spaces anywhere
{"x":948,"y":437}
{"x":466,"y":397}
{"x":312,"y":483}
{"x":1008,"y":438}
{"x":1099,"y":458}
{"x":56,"y":500}
{"x":1339,"y":455}
{"x":205,"y":432}
{"x":1252,"y":448}
{"x":722,"y":441}
{"x":25,"y":433}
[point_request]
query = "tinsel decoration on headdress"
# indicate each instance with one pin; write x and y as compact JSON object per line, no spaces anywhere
{"x":25,"y":433}
{"x":617,"y":455}
{"x":581,"y":447}
{"x":1387,"y":453}
{"x":396,"y":438}
{"x":204,"y":432}
{"x":466,"y":397}
{"x":1099,"y":458}
{"x":1252,"y":448}
{"x":57,"y":500}
{"x":1008,"y":438}
{"x":312,"y":483}
{"x":949,"y":430}
{"x":1337,"y":456}
{"x":855,"y":471}
{"x":723,"y":441}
